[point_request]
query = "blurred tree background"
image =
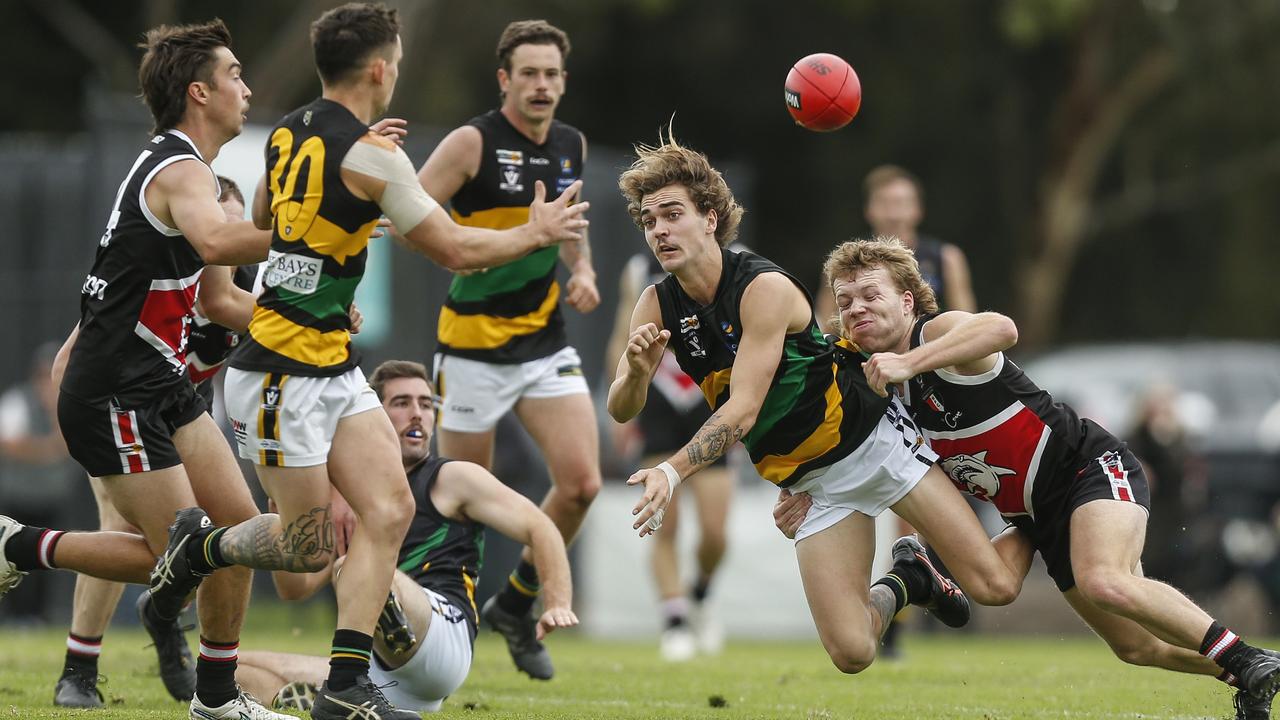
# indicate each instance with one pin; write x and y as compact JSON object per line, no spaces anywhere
{"x":1111,"y":167}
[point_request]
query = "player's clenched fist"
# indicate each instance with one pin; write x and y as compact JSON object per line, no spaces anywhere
{"x":884,"y":369}
{"x":645,"y":348}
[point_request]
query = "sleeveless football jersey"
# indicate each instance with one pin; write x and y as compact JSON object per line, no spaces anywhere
{"x":1000,"y":437}
{"x":818,"y":408}
{"x":138,"y":300}
{"x":509,"y":313}
{"x":319,"y":246}
{"x":439,"y":553}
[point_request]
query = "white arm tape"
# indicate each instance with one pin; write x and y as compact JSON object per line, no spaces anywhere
{"x":673,"y":478}
{"x":404,"y":202}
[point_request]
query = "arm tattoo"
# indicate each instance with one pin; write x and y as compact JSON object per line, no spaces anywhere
{"x":304,"y":545}
{"x":711,"y":442}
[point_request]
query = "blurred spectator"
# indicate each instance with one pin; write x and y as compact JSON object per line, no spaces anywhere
{"x":38,"y":481}
{"x":1177,"y":478}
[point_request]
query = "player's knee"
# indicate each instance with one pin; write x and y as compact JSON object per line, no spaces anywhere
{"x":853,"y":658}
{"x":1140,"y":653}
{"x":1110,"y":591}
{"x":1001,"y":591}
{"x":582,"y":490}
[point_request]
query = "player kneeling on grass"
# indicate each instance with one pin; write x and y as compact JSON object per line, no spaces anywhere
{"x":426,"y":632}
{"x":744,"y":330}
{"x":1070,"y":490}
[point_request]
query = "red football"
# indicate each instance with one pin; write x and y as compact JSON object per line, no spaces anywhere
{"x":822,"y":92}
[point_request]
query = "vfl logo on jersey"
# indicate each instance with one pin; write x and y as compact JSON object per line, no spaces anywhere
{"x":689,"y":334}
{"x":270,"y":399}
{"x":510,"y":157}
{"x":730,"y":340}
{"x":511,"y":179}
{"x":296,"y":273}
{"x":974,"y":475}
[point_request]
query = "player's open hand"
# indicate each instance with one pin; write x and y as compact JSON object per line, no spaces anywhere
{"x":790,"y":510}
{"x":562,"y":219}
{"x":581,"y":293}
{"x":653,"y":503}
{"x":884,"y":369}
{"x":393,"y":129}
{"x":645,"y":348}
{"x":357,"y":319}
{"x":553,"y":618}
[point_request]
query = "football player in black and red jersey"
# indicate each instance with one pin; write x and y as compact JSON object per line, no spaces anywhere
{"x":126,"y":407}
{"x":1068,"y":488}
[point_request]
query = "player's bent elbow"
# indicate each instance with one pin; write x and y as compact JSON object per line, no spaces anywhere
{"x":1005,"y":329}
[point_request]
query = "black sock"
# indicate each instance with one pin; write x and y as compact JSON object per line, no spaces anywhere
{"x":701,"y":589}
{"x":349,"y":658}
{"x":204,"y":550}
{"x":1226,"y":649}
{"x":82,"y":655}
{"x":26,"y":550}
{"x":897,"y":587}
{"x":216,"y":672}
{"x":521,"y":590}
{"x":915,"y":582}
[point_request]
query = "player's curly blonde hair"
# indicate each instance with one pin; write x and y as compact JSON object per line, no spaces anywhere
{"x":850,"y":258}
{"x":670,"y":163}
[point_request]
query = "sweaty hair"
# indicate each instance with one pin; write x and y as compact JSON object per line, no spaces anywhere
{"x":230,"y":190}
{"x":175,"y":57}
{"x":673,"y":164}
{"x":885,"y":174}
{"x":851,"y":258}
{"x":530,"y":32}
{"x":343,"y":38}
{"x":396,"y":369}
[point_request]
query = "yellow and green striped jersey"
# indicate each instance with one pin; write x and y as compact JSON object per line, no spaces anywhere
{"x":509,"y":313}
{"x":817,"y":409}
{"x":319,"y":246}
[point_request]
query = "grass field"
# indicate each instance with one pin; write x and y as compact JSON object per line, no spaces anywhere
{"x":940,"y":676}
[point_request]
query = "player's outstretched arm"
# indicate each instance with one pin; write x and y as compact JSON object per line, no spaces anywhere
{"x":222,"y":302}
{"x":968,"y":344}
{"x":770,"y":306}
{"x":639,"y":360}
{"x":471,"y":491}
{"x":182,"y":195}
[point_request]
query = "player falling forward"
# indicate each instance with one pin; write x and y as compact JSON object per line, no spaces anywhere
{"x":300,"y":406}
{"x":427,"y":629}
{"x":744,"y":330}
{"x":1073,"y":491}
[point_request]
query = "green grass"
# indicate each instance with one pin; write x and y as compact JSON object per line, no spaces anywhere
{"x":941,"y":676}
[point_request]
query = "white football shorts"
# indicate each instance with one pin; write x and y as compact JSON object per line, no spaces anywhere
{"x":879,"y":473}
{"x":475,"y":395}
{"x":289,"y":420}
{"x":437,"y":669}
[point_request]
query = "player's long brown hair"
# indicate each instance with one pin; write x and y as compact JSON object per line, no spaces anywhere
{"x":850,"y":258}
{"x":670,"y":163}
{"x":175,"y":57}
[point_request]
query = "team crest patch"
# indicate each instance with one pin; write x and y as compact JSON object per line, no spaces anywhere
{"x":510,"y":157}
{"x":974,"y":475}
{"x":512,"y":179}
{"x":689,"y":334}
{"x":689,"y":323}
